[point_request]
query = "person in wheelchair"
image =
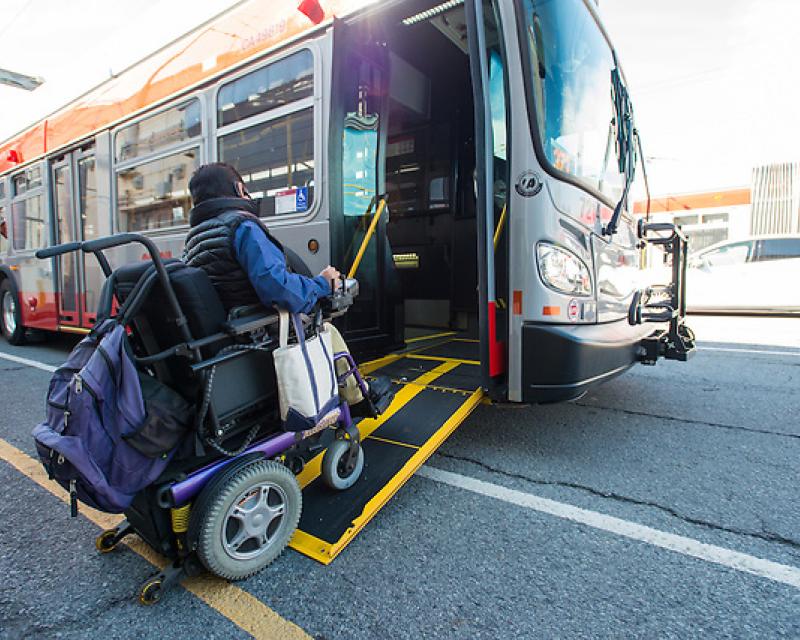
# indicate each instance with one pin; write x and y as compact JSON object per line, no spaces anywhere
{"x":247,"y":265}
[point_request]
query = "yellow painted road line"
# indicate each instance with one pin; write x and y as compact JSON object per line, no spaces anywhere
{"x":243,"y":609}
{"x":446,"y":334}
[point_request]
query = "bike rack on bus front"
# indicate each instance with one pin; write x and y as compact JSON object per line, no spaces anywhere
{"x":677,"y":342}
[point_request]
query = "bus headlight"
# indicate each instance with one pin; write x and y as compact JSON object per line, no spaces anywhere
{"x":562,"y":270}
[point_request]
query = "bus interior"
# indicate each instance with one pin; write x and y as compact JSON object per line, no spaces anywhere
{"x":414,"y":89}
{"x":430,"y":159}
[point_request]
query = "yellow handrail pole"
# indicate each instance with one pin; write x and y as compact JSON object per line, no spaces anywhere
{"x":500,"y":226}
{"x":366,"y":213}
{"x":372,"y":225}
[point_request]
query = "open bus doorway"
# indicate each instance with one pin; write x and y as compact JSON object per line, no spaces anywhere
{"x":409,"y":133}
{"x":430,"y":164}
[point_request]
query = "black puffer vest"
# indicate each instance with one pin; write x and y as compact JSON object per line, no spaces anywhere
{"x":210,"y":247}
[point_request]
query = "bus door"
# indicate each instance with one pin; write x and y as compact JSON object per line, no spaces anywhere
{"x":75,"y":212}
{"x":488,"y":70}
{"x":359,"y":105}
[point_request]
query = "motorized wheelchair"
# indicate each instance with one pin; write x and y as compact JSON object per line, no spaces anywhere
{"x":229,"y":501}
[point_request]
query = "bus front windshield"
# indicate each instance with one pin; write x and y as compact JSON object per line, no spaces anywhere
{"x":570,"y":66}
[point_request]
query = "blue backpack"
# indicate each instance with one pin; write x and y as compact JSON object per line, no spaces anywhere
{"x":110,"y":431}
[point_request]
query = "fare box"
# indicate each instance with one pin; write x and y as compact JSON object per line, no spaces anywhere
{"x":291,"y":200}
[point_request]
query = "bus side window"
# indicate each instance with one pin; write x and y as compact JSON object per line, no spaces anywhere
{"x":153,"y":192}
{"x":28,"y":211}
{"x":265,"y":124}
{"x":3,"y":222}
{"x":3,"y":231}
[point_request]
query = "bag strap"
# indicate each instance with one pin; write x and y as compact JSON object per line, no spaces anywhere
{"x":283,"y":341}
{"x":301,"y":340}
{"x":283,"y":329}
{"x":329,"y":359}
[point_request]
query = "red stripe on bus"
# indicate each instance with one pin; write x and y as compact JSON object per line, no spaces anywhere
{"x":497,"y":352}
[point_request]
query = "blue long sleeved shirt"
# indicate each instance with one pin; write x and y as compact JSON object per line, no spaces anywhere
{"x":265,"y":265}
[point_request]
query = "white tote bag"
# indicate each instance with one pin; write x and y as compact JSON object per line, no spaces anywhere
{"x":307,"y":386}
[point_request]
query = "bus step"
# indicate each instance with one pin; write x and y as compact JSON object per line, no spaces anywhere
{"x":434,"y":395}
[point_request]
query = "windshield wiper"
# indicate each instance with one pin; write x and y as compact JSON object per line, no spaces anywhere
{"x":626,"y":142}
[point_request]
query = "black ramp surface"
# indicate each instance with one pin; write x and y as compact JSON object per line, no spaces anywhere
{"x":327,"y":514}
{"x":408,"y":368}
{"x":465,"y":377}
{"x":454,"y":349}
{"x":416,"y":422}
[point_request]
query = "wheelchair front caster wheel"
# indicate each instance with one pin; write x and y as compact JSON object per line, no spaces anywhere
{"x":107,"y":541}
{"x":151,"y":591}
{"x":110,"y":538}
{"x":339,"y":471}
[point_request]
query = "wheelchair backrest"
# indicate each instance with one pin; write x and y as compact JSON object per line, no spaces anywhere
{"x":155,"y":328}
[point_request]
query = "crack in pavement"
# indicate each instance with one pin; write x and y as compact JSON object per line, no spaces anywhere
{"x":27,"y":627}
{"x":764,"y":534}
{"x":705,"y":423}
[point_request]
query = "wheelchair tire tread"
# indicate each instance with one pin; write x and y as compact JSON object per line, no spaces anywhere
{"x":210,"y":521}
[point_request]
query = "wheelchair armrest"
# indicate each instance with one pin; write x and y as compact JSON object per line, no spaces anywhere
{"x":247,"y":310}
{"x":252,"y":322}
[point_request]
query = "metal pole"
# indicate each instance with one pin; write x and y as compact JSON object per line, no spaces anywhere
{"x":19,"y":80}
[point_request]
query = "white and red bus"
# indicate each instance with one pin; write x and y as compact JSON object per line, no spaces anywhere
{"x":498,"y":132}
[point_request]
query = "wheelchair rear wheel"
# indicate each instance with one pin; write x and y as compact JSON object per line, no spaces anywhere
{"x":249,"y":520}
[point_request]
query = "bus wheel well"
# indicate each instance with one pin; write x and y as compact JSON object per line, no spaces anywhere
{"x":11,"y":323}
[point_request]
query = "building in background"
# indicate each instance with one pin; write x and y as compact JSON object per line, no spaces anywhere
{"x":770,"y":205}
{"x":776,"y":199}
{"x":706,"y":217}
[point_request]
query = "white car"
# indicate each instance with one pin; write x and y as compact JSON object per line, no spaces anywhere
{"x":757,"y":274}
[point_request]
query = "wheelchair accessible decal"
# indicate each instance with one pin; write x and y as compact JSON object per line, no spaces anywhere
{"x":291,"y":200}
{"x":528,"y":184}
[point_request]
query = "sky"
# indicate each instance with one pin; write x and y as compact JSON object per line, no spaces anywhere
{"x":714,"y":82}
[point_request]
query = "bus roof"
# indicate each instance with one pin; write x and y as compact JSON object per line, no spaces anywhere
{"x":246,"y":30}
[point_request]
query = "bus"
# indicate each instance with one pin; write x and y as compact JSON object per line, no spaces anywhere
{"x":478,"y":155}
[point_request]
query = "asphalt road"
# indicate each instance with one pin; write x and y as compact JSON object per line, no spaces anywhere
{"x":708,"y":450}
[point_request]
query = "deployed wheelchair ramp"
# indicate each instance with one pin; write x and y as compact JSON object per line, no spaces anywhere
{"x":437,"y":384}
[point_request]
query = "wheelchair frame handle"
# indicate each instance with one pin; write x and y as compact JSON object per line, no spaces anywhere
{"x":58,"y":250}
{"x":99,"y":245}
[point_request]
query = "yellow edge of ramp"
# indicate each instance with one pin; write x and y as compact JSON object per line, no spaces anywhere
{"x":432,"y":336}
{"x":325,"y":552}
{"x":411,"y":389}
{"x":416,"y":352}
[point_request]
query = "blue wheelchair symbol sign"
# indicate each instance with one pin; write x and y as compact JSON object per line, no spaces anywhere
{"x":301,"y":203}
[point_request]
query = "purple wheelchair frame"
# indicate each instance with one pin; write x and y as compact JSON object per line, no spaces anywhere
{"x":179,"y":493}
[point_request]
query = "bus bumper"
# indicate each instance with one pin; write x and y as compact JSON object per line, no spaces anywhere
{"x":561,"y":362}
